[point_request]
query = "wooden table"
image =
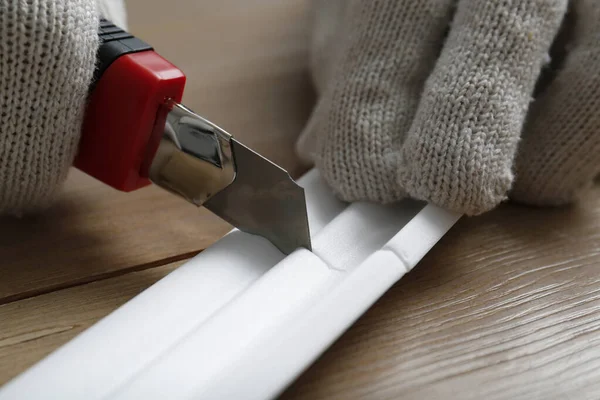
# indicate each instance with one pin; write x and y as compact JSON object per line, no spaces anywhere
{"x":507,"y":305}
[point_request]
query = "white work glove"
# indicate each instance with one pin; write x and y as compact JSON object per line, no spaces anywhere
{"x":47,"y":59}
{"x":434,"y":100}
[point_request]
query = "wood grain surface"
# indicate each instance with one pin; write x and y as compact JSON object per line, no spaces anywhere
{"x":34,"y":327}
{"x":506,"y":306}
{"x":95,"y":232}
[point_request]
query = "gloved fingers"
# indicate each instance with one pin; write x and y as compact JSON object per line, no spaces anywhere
{"x":386,"y":50}
{"x":559,"y":155}
{"x":115,"y":11}
{"x":461,"y":146}
{"x":47,"y":57}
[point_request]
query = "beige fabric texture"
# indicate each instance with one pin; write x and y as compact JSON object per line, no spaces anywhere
{"x":435,"y":100}
{"x":47,"y":59}
{"x":430,"y":99}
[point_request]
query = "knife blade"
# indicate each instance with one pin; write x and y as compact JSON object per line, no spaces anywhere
{"x":205,"y":165}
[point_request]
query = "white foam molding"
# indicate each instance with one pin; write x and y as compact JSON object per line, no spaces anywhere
{"x":108,"y":354}
{"x":421,"y":234}
{"x":275,"y":301}
{"x":361,"y":229}
{"x":273,"y":363}
{"x":272,"y":302}
{"x":322,"y":206}
{"x":240,"y":320}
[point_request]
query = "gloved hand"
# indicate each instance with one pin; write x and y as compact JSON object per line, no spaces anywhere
{"x":47,"y":59}
{"x":434,"y":99}
{"x":403,"y":109}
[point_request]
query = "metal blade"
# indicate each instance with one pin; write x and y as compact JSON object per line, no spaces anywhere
{"x":202,"y":163}
{"x":263,"y":200}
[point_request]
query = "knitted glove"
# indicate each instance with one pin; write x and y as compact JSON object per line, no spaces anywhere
{"x":47,"y":59}
{"x":434,"y":100}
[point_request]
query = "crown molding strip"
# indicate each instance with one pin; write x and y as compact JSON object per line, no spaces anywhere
{"x":240,"y":320}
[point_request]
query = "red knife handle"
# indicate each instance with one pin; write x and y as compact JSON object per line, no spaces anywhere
{"x":126,"y":110}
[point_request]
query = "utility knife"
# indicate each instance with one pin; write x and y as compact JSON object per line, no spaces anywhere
{"x":136,"y":133}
